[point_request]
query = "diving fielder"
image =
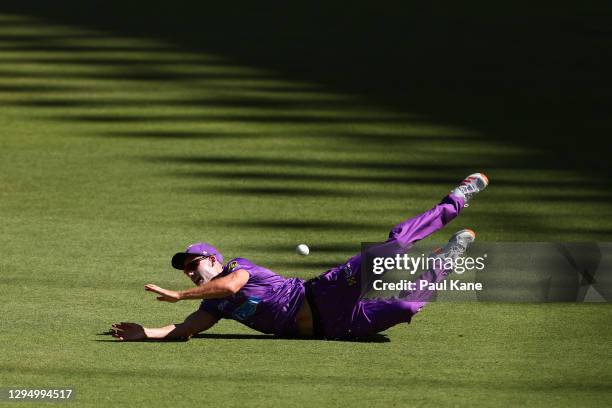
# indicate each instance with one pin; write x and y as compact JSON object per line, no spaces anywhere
{"x":330,"y":306}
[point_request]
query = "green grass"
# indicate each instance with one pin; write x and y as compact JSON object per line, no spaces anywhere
{"x":117,"y":152}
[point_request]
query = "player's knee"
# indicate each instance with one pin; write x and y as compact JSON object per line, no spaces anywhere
{"x":395,"y":232}
{"x":451,"y":207}
{"x":412,"y":308}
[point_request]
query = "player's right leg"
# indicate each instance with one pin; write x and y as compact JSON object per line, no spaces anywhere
{"x":375,"y":315}
{"x":405,"y":234}
{"x":455,"y":248}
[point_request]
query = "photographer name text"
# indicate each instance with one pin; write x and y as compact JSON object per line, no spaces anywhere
{"x":422,"y":284}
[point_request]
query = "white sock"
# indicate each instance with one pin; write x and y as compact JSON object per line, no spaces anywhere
{"x":457,"y":192}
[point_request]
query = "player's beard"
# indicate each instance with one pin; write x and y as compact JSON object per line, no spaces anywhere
{"x":206,"y":273}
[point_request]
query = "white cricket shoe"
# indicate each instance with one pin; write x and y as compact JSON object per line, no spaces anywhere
{"x":472,"y":184}
{"x":455,"y":248}
{"x":457,"y":244}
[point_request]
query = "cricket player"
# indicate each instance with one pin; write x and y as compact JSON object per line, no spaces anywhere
{"x":330,"y":306}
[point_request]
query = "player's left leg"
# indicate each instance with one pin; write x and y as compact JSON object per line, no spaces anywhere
{"x":375,"y":315}
{"x":419,"y":227}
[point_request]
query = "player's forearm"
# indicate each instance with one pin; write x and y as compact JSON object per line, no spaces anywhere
{"x":211,"y":290}
{"x":157,"y":333}
{"x":170,"y":332}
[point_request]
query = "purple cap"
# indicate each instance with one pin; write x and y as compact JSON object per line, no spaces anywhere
{"x":199,"y":248}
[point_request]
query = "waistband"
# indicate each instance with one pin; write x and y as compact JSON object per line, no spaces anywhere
{"x":317,"y":327}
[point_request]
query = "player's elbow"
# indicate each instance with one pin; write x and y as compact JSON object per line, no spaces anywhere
{"x":233,"y":287}
{"x":238,"y":280}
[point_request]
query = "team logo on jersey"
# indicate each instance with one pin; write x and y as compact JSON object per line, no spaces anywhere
{"x":347,"y":272}
{"x":247,"y":309}
{"x":232,"y":265}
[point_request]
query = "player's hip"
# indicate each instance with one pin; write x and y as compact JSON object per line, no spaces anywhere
{"x":331,"y":308}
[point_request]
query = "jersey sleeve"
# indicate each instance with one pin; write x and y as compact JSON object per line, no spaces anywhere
{"x":239,"y":263}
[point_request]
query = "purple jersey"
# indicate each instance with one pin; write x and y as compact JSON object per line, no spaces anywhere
{"x":268,"y":302}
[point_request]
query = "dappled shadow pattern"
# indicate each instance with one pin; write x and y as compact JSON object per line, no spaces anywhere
{"x":517,"y":73}
{"x":374,"y":101}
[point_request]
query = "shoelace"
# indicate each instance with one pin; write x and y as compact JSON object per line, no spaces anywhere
{"x":456,"y":251}
{"x":468,"y":189}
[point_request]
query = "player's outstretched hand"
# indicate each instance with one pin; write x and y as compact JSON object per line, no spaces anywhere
{"x":166,"y":295}
{"x":128,"y":331}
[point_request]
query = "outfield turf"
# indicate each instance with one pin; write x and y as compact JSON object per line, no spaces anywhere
{"x":115,"y":152}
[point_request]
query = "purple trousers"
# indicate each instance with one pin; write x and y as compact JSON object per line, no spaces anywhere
{"x":337,"y":294}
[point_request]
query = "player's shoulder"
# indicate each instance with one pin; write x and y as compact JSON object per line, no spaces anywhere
{"x":238,"y":263}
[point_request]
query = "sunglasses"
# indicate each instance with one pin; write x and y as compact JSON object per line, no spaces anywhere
{"x":191,"y":265}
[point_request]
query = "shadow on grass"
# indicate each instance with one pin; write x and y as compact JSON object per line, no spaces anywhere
{"x":332,"y":248}
{"x":318,"y":225}
{"x":518,"y":74}
{"x":377,"y":338}
{"x":529,"y":83}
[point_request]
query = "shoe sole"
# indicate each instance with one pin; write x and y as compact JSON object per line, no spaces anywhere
{"x":470,"y":231}
{"x":483,"y":177}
